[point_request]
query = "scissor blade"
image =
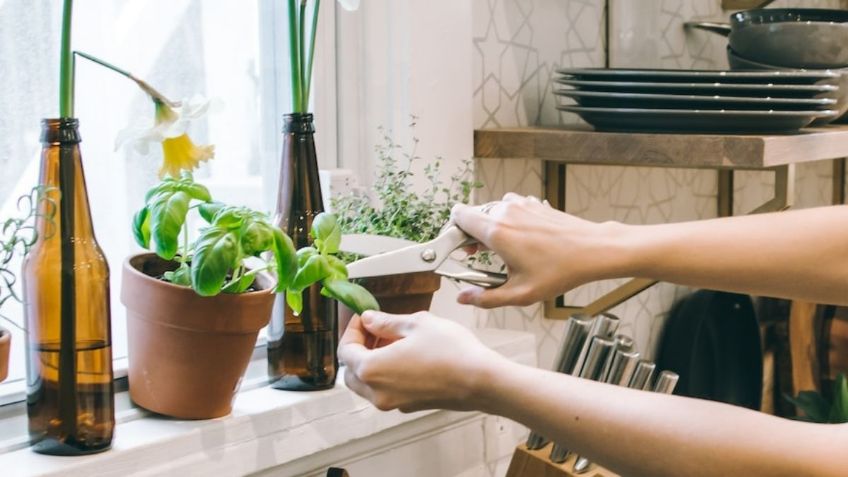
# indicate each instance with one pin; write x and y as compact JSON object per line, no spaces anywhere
{"x":405,"y":260}
{"x":368,"y":245}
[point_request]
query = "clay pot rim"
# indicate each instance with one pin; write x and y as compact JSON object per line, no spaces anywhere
{"x":5,"y":335}
{"x":130,"y":267}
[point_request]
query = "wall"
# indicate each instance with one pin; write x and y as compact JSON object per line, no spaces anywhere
{"x":517,"y":46}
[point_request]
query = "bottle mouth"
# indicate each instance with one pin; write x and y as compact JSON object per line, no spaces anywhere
{"x":60,"y":131}
{"x":298,"y":123}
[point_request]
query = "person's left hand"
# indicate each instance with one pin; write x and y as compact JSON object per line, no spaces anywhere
{"x":421,"y":362}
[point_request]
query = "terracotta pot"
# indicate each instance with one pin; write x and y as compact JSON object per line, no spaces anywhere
{"x":398,"y":294}
{"x":5,"y":348}
{"x":187,"y":353}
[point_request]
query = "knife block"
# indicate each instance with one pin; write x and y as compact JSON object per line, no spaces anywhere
{"x":535,"y":463}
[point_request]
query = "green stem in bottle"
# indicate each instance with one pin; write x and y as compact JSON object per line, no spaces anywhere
{"x":294,"y":58}
{"x":311,"y":52}
{"x":66,"y":65}
{"x":301,"y":31}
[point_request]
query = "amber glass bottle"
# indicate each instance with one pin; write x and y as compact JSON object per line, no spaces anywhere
{"x":70,"y":398}
{"x":301,"y":349}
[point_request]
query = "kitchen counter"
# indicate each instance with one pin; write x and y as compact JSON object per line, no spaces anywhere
{"x":282,"y":433}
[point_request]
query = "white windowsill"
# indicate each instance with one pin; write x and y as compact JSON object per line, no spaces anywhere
{"x":267,"y":428}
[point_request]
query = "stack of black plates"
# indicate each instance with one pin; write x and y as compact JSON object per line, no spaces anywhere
{"x":699,"y":101}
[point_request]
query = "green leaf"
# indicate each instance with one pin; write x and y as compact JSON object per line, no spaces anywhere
{"x":216,"y":253}
{"x":141,"y":227}
{"x":326,"y":233}
{"x":180,"y":276}
{"x":256,"y":237}
{"x":304,"y":254}
{"x":338,"y":269}
{"x":168,"y":211}
{"x":229,"y":217}
{"x":295,"y":301}
{"x":314,"y":270}
{"x":839,"y":408}
{"x":816,"y":408}
{"x":195,"y":191}
{"x":208,"y":210}
{"x":286,"y":259}
{"x":240,"y":285}
{"x":352,"y":295}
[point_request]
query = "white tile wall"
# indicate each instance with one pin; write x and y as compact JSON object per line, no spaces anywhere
{"x":518,"y":43}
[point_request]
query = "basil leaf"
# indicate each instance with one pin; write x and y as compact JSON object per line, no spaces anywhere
{"x":839,"y":408}
{"x":304,"y":254}
{"x":195,"y":191}
{"x":326,"y":233}
{"x":257,"y":237}
{"x":168,"y":211}
{"x":167,"y":185}
{"x":216,"y":253}
{"x":338,"y":269}
{"x":229,"y":217}
{"x":314,"y":270}
{"x":352,"y":295}
{"x":240,"y":285}
{"x":208,"y":210}
{"x":286,"y":259}
{"x":295,"y":301}
{"x":141,"y":227}
{"x":180,"y":276}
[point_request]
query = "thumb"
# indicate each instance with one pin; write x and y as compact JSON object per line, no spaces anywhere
{"x":384,"y":325}
{"x":490,"y":297}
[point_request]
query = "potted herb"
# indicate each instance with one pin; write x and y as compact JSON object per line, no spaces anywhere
{"x":194,"y":309}
{"x":17,"y":236}
{"x":397,"y":209}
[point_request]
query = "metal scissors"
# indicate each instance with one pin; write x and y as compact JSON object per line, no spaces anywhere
{"x":391,"y":256}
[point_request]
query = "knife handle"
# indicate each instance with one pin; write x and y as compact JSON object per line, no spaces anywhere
{"x":666,"y":382}
{"x":622,"y":366}
{"x":642,"y":375}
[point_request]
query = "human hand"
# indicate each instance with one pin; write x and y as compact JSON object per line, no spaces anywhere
{"x":422,"y":362}
{"x":547,"y":252}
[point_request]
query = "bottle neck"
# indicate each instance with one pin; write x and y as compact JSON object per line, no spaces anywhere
{"x":298,"y":123}
{"x":60,"y":131}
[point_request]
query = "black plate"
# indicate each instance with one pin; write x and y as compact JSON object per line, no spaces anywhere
{"x":712,"y":340}
{"x":727,"y":121}
{"x":700,"y":76}
{"x":723,"y":89}
{"x":611,"y":99}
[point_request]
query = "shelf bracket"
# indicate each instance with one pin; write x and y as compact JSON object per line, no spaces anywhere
{"x":555,"y":175}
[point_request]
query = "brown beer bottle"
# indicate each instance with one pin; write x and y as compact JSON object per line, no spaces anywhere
{"x":301,"y":348}
{"x":70,"y":396}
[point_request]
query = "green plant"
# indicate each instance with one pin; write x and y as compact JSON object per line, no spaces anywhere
{"x":399,"y":211}
{"x":817,"y":408}
{"x":17,"y":236}
{"x":215,"y":262}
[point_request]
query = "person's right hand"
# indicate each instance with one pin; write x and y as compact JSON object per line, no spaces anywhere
{"x":547,"y":252}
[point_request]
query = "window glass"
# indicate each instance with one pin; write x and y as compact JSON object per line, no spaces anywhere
{"x":222,"y":49}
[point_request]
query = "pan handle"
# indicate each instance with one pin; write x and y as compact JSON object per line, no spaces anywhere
{"x":722,"y":29}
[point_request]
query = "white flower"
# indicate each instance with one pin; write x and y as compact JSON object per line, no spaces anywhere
{"x":169,"y":131}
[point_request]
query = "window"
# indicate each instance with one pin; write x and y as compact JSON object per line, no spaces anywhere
{"x":234,"y":51}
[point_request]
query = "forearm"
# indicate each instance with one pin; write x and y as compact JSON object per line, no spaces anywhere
{"x":797,"y":254}
{"x":641,"y":433}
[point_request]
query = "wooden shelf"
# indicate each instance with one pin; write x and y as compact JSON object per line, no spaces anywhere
{"x":585,"y":146}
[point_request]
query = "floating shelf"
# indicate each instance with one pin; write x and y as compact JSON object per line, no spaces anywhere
{"x":578,"y":145}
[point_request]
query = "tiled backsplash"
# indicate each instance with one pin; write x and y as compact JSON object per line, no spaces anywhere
{"x":517,"y":46}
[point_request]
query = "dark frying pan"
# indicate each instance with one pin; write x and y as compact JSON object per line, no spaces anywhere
{"x":790,"y":37}
{"x":712,"y":340}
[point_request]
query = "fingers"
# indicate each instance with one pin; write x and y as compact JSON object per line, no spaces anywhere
{"x":472,"y":221}
{"x":386,"y":326}
{"x":493,"y":297}
{"x":354,"y":384}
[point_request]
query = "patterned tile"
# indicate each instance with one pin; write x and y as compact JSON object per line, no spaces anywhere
{"x":518,"y":43}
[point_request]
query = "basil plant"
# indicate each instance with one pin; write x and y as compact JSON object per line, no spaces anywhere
{"x":215,"y":262}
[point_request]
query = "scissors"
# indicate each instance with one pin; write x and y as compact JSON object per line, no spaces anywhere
{"x":392,"y":256}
